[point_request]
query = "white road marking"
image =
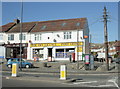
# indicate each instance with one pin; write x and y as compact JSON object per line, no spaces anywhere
{"x":103,"y":86}
{"x":114,"y":81}
{"x":85,"y":82}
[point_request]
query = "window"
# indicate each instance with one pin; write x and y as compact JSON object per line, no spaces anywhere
{"x":78,"y":24}
{"x":43,"y":27}
{"x":38,"y":53}
{"x":23,"y":37}
{"x":1,"y":36}
{"x":63,"y":24}
{"x":37,"y":37}
{"x":11,"y":37}
{"x":67,"y":35}
{"x":64,"y":53}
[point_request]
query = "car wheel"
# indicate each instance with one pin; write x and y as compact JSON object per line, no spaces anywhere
{"x":9,"y":66}
{"x":27,"y":66}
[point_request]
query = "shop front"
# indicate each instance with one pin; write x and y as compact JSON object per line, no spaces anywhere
{"x":55,"y":51}
{"x":13,"y":50}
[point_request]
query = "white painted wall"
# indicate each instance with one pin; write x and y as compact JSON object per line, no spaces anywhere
{"x":53,"y":35}
{"x":2,"y":51}
{"x":44,"y":39}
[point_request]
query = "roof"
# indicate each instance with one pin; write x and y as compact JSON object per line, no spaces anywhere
{"x":7,"y":27}
{"x":117,"y":43}
{"x":60,"y":25}
{"x":52,"y":25}
{"x":26,"y":27}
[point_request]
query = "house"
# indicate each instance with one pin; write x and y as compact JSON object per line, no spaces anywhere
{"x":113,"y":48}
{"x":117,"y":46}
{"x":54,"y":40}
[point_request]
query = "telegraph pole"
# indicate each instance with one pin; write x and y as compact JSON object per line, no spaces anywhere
{"x":105,"y":17}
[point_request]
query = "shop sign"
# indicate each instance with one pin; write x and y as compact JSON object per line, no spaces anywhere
{"x":79,"y":49}
{"x":16,"y":45}
{"x":56,"y":44}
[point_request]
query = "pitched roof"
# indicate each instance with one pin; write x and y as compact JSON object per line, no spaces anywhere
{"x":26,"y":27}
{"x":53,"y":25}
{"x":6,"y":27}
{"x":117,"y":43}
{"x":60,"y":25}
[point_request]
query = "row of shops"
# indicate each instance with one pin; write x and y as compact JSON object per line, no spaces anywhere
{"x":44,"y":51}
{"x":46,"y":40}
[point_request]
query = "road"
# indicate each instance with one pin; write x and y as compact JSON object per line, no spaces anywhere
{"x":27,"y":83}
{"x":82,"y":80}
{"x":29,"y":78}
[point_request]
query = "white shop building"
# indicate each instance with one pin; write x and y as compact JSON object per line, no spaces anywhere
{"x":55,"y":39}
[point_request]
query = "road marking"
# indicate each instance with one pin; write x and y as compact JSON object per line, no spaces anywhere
{"x":103,"y":86}
{"x":114,"y":81}
{"x":85,"y":82}
{"x":90,"y":85}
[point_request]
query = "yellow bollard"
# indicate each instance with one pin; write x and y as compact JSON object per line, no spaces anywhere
{"x":14,"y":70}
{"x":63,"y":72}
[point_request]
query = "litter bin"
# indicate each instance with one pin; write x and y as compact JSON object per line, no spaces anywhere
{"x":45,"y":64}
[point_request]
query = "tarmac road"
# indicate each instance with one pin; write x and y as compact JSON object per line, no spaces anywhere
{"x":27,"y":83}
{"x":48,"y":77}
{"x":52,"y":80}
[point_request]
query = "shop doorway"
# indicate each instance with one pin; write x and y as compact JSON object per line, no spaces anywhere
{"x":49,"y":54}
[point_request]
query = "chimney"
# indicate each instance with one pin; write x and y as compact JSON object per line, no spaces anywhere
{"x":16,"y":21}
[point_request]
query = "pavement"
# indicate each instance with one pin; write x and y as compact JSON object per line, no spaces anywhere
{"x":53,"y":68}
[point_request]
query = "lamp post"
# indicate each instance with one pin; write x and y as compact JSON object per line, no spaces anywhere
{"x":21,"y":36}
{"x":77,"y":49}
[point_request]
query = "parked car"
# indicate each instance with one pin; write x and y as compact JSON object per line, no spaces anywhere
{"x":24,"y":63}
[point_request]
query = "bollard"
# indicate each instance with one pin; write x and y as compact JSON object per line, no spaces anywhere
{"x":14,"y":70}
{"x":63,"y":72}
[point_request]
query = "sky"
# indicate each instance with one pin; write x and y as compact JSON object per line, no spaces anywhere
{"x":44,"y":11}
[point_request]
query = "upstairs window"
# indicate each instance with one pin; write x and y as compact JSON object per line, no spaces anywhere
{"x":23,"y":37}
{"x":67,"y":35}
{"x":63,"y":24}
{"x":1,"y":36}
{"x":37,"y":37}
{"x":78,"y":24}
{"x":11,"y":37}
{"x":43,"y":27}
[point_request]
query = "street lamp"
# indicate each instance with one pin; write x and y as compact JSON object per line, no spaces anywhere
{"x":21,"y":36}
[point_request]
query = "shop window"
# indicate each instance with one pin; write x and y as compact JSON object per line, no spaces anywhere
{"x":67,"y":35}
{"x":64,"y":53}
{"x":11,"y":37}
{"x":38,"y":53}
{"x":59,"y":53}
